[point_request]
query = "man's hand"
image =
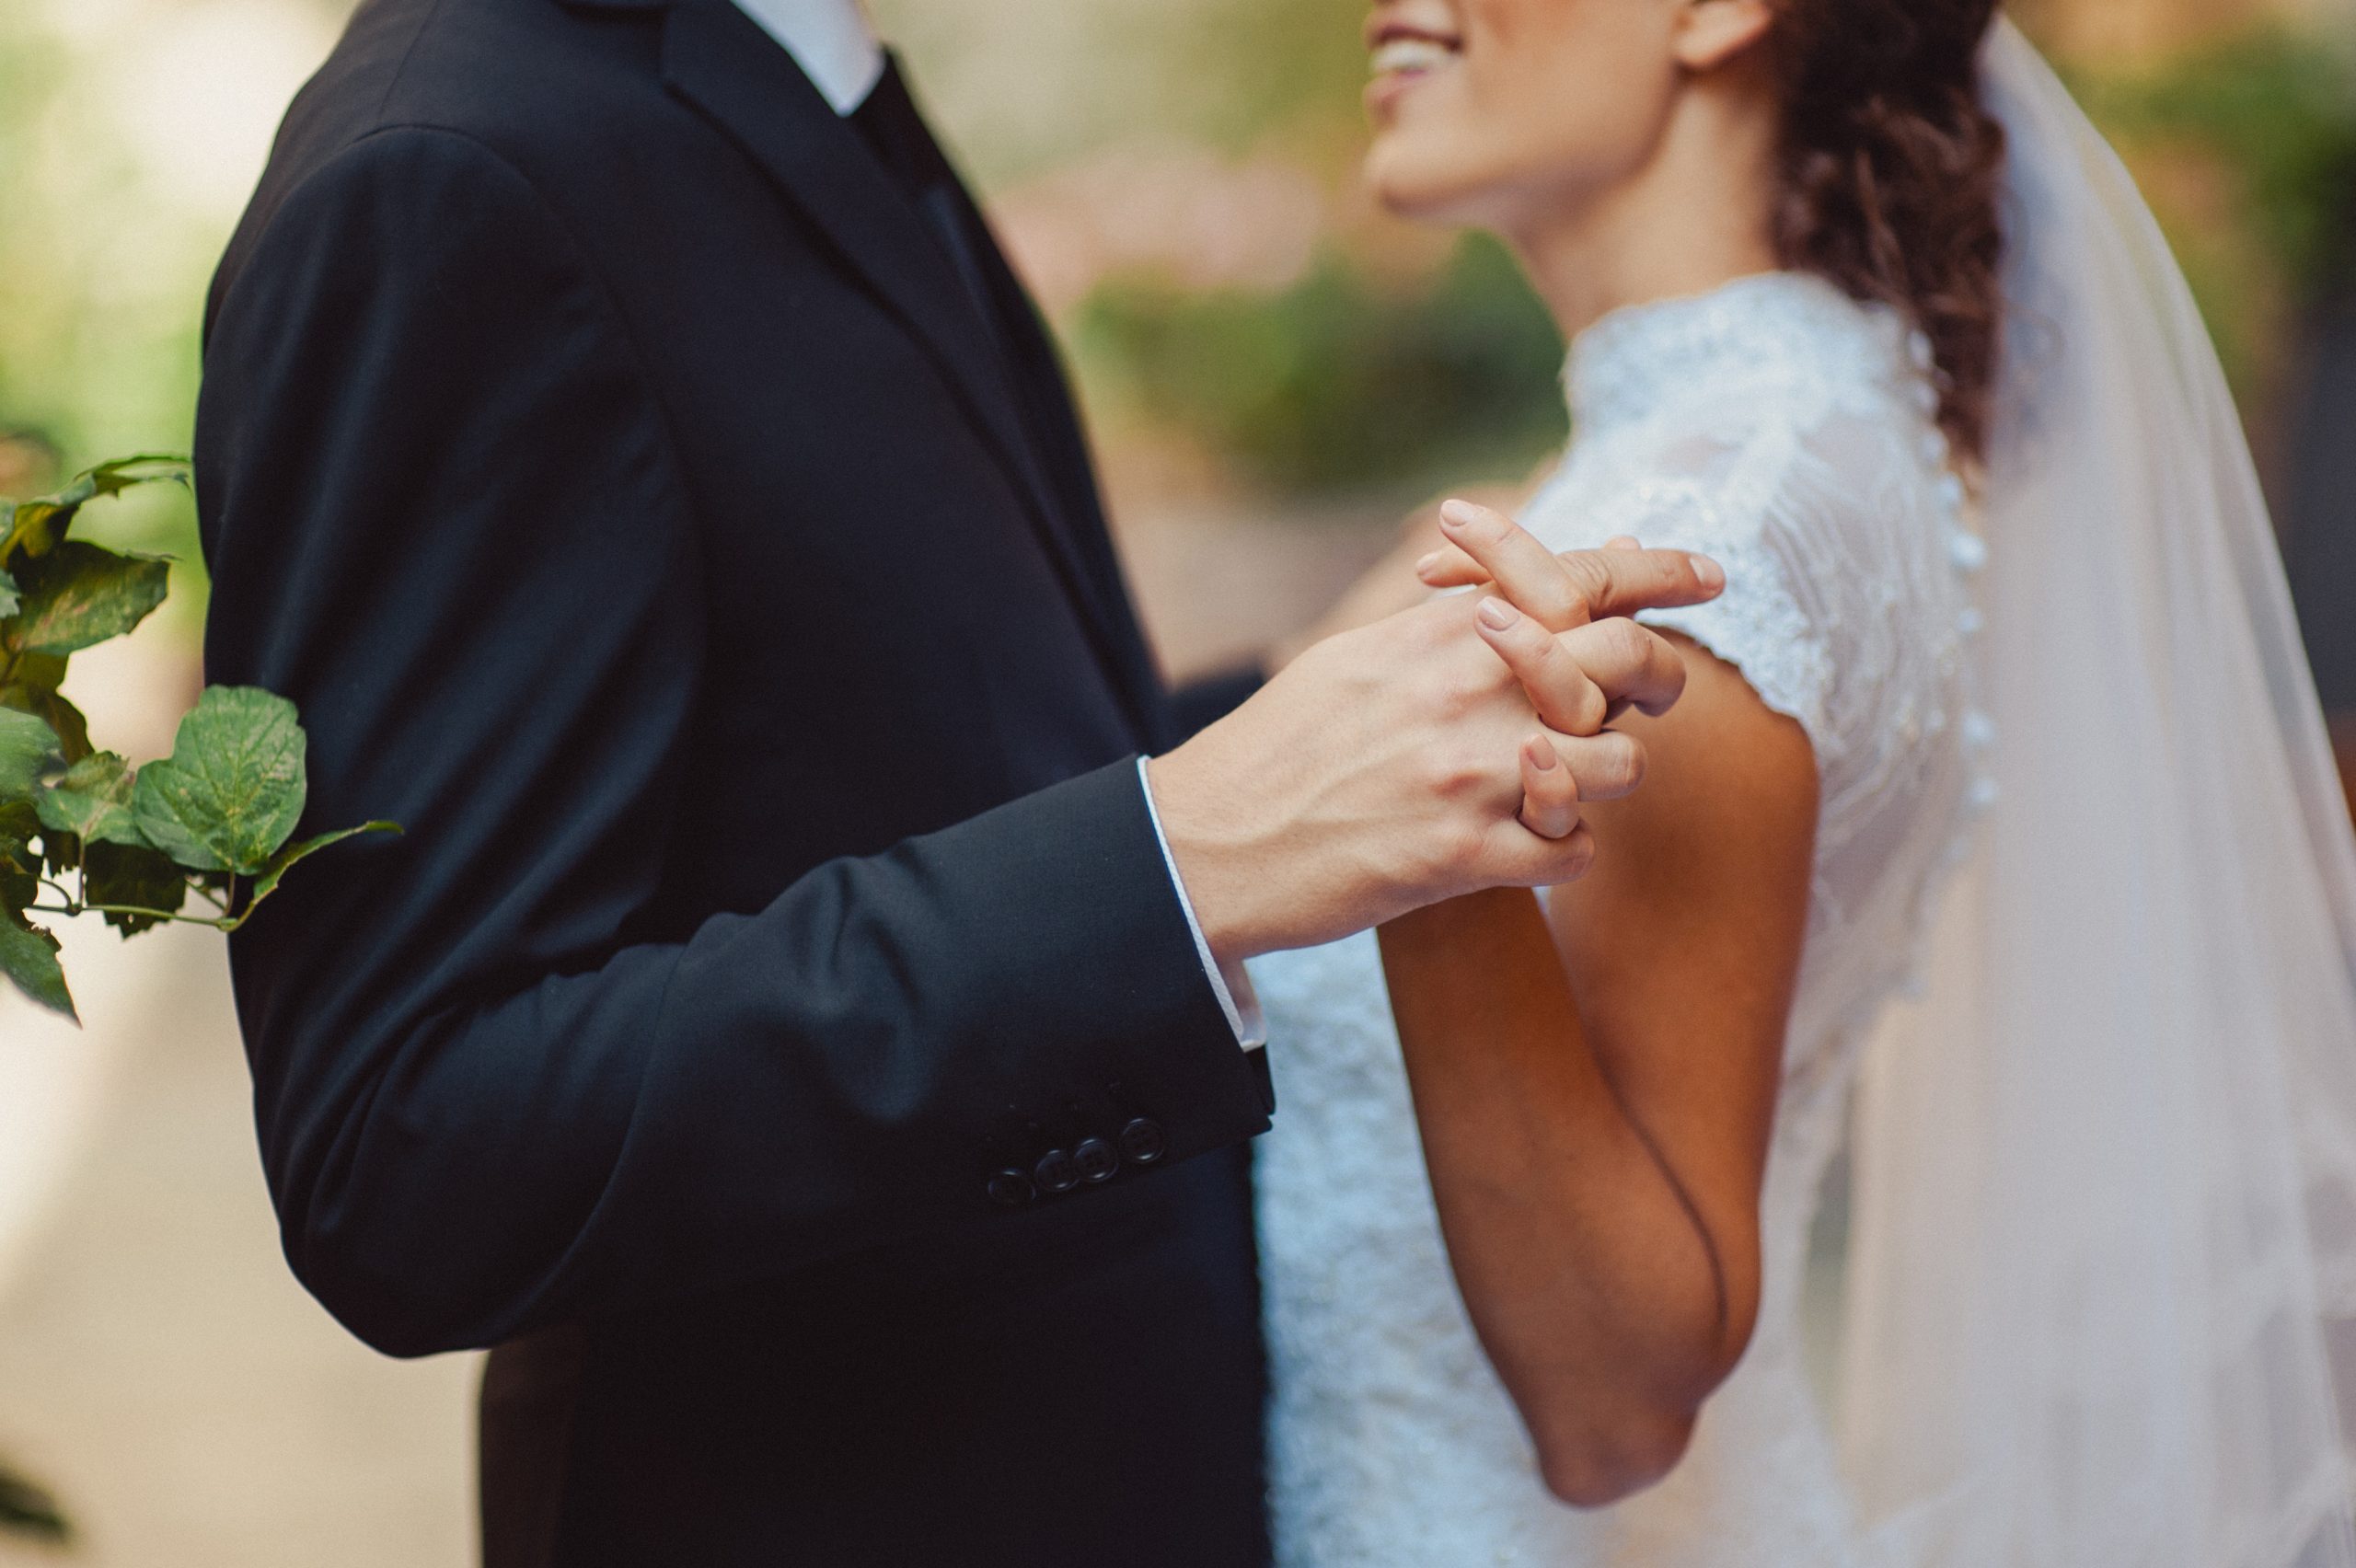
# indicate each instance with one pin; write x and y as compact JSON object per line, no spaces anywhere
{"x":1387,"y":768}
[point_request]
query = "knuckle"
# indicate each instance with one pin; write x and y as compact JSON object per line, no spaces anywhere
{"x":1628,"y":761}
{"x":1611,"y":765}
{"x":1627,"y":643}
{"x":1595,"y":707}
{"x":1587,"y":578}
{"x":1579,"y":855}
{"x":1454,"y":774}
{"x":1585,"y":709}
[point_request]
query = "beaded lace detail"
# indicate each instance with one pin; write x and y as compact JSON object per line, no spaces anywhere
{"x":1790,"y":433}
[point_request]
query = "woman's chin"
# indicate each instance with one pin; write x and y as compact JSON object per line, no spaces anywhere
{"x":1418,"y":195}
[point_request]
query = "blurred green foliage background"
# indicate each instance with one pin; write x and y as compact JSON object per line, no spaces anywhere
{"x":1339,"y":354}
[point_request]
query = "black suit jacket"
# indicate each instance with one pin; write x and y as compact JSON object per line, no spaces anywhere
{"x":600,"y":450}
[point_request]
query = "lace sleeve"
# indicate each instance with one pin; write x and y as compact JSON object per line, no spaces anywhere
{"x":1838,"y":536}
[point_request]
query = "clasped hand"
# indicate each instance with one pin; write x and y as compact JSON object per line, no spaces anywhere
{"x":1439,"y":752}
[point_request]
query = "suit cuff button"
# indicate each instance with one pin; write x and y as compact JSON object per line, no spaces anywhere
{"x":1143,"y":1141}
{"x":1055,"y":1172}
{"x":1011,"y":1189}
{"x":1099,"y":1161}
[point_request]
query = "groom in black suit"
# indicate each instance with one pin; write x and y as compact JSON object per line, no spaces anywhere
{"x":784,"y":1031}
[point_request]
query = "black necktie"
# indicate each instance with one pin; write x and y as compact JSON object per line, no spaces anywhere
{"x":888,"y":121}
{"x":897,"y":134}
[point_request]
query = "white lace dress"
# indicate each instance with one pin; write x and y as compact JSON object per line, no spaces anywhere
{"x":1788,"y":432}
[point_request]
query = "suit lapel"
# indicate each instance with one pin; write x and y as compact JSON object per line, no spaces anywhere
{"x":718,"y":60}
{"x":1064,"y":451}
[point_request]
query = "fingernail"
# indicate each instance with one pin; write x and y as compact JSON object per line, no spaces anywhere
{"x":1498,"y":616}
{"x":1712,"y":575}
{"x":1430,"y":564}
{"x":1542,"y":755}
{"x":1456,"y":514}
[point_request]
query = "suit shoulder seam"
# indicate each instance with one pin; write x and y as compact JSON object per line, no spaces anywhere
{"x":393,"y":80}
{"x":580,"y":255}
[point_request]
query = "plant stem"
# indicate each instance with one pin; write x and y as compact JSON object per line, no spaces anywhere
{"x":131,"y":910}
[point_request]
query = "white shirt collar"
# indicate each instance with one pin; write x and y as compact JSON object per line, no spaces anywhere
{"x":832,"y":40}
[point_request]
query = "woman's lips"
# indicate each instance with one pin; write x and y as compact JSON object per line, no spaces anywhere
{"x":1401,"y":59}
{"x":1410,"y":55}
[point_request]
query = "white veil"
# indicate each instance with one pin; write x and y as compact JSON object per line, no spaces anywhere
{"x":2105,"y":1245}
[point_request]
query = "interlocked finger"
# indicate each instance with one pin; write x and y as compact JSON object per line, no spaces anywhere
{"x":1558,"y":687}
{"x":1550,"y":795}
{"x":1609,"y":766}
{"x":1536,"y":861}
{"x":1632,"y":665}
{"x":1565,"y":590}
{"x":1524,"y":571}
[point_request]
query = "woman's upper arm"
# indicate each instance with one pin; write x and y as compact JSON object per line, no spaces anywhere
{"x":1684,"y":943}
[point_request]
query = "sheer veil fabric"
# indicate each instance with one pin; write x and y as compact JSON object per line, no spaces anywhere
{"x":2103,"y":1289}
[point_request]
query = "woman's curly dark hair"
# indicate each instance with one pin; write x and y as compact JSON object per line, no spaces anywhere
{"x":1891,"y":173}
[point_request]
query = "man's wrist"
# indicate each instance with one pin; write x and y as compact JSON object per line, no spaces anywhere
{"x":1225,"y":974}
{"x":1198,"y":851}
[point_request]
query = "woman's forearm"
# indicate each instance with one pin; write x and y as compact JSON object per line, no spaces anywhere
{"x":1597,"y":1286}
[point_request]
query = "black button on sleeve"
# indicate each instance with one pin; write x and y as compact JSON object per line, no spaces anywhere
{"x":1011,"y":1189}
{"x":1055,"y":1172}
{"x":1144,"y":1141}
{"x":1098,"y":1160}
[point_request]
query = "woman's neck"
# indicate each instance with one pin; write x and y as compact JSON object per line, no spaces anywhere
{"x":1696,"y":217}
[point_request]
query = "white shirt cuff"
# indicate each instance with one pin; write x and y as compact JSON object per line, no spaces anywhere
{"x":1231,"y":986}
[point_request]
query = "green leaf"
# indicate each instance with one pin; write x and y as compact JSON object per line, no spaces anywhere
{"x":233,"y":789}
{"x":29,"y":1511}
{"x":41,"y":672}
{"x":19,"y":874}
{"x":9,"y":597}
{"x":93,"y":803}
{"x":37,"y":526}
{"x":129,"y":473}
{"x":79,"y":595}
{"x":29,"y":958}
{"x":19,"y":866}
{"x":27,"y":747}
{"x":64,"y":719}
{"x":34,"y":528}
{"x":286,"y":859}
{"x":132,"y":877}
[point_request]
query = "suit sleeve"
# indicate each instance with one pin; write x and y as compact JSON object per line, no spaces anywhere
{"x":444,"y":516}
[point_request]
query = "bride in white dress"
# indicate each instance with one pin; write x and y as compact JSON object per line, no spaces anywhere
{"x":2003,"y":709}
